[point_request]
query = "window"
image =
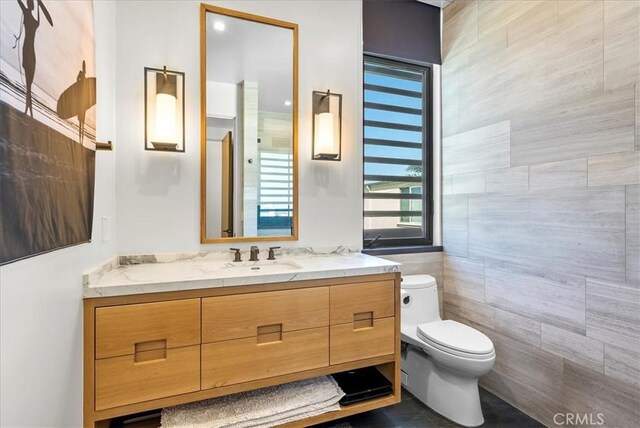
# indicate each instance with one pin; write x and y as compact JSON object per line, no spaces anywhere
{"x":397,"y":154}
{"x":275,"y":195}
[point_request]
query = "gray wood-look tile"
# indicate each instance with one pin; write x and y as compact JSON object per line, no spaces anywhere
{"x":464,"y":277}
{"x":484,"y":87}
{"x":556,"y":175}
{"x":477,"y":150}
{"x":508,"y":179}
{"x":621,"y":41}
{"x":452,"y":67}
{"x":570,"y":86}
{"x":454,"y":223}
{"x":576,"y":231}
{"x":637,"y":116}
{"x":575,"y":347}
{"x":473,"y":182}
{"x":481,"y":53}
{"x":420,"y":263}
{"x":462,"y":29}
{"x":569,"y":8}
{"x":517,"y":327}
{"x":447,"y":185}
{"x":468,"y":309}
{"x":572,"y":53}
{"x":613,"y":314}
{"x":595,"y":125}
{"x":495,"y":14}
{"x":617,"y":169}
{"x":633,"y":235}
{"x":589,"y":392}
{"x":622,"y":364}
{"x":450,"y":104}
{"x":526,"y":376}
{"x":533,"y":23}
{"x":537,"y":293}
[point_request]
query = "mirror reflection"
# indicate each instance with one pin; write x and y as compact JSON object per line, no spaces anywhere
{"x":249,"y":136}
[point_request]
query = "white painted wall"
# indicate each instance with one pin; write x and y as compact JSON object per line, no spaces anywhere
{"x":41,"y":297}
{"x":221,"y":99}
{"x":158,"y":206}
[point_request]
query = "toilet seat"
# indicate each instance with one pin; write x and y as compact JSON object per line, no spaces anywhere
{"x":457,"y":339}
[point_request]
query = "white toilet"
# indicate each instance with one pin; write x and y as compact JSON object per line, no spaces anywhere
{"x":442,"y":360}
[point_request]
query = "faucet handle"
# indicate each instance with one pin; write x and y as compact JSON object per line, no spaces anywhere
{"x":237,"y":255}
{"x":272,"y":255}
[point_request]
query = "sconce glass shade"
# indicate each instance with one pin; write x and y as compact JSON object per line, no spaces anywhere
{"x":164,"y":110}
{"x":165,"y":118}
{"x":327,"y":126}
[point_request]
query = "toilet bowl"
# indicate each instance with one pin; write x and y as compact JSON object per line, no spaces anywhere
{"x":442,"y":359}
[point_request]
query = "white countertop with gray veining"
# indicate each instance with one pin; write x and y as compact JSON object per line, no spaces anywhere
{"x":140,"y":274}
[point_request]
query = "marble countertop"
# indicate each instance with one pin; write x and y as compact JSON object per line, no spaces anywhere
{"x":140,"y":274}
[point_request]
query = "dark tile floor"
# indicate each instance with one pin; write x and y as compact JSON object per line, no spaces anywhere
{"x":411,"y":413}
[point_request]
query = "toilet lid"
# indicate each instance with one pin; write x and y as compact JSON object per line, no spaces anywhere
{"x":454,"y":335}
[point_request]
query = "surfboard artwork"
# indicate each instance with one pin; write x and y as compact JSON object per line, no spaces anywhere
{"x":47,"y":125}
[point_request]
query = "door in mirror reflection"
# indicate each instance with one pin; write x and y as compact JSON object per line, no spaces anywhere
{"x":249,"y":113}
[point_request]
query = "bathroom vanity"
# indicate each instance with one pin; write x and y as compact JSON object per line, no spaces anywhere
{"x":161,"y":332}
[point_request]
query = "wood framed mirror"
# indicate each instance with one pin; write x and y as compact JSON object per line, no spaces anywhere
{"x":249,"y":127}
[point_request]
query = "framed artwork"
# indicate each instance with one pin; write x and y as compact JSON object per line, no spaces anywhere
{"x":47,"y":126}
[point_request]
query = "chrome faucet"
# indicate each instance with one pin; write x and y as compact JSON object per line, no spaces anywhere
{"x":254,"y":254}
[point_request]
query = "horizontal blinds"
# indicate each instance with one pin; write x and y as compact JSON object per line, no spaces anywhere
{"x":275,"y":197}
{"x":395,"y":101}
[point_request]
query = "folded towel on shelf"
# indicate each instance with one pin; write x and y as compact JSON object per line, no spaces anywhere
{"x":264,"y":407}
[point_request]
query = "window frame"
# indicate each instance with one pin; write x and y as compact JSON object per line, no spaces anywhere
{"x":426,"y":239}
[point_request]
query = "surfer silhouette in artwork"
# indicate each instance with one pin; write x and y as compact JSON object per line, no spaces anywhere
{"x":77,"y":99}
{"x":30,"y":26}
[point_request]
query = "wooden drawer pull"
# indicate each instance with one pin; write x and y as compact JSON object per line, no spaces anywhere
{"x":149,"y":351}
{"x":362,"y":320}
{"x":153,"y":355}
{"x":270,"y":333}
{"x":151,"y":345}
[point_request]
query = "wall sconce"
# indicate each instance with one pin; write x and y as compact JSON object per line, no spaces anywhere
{"x":327,"y":126}
{"x":163,"y":110}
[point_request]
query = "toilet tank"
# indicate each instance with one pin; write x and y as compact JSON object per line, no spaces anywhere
{"x":419,"y":299}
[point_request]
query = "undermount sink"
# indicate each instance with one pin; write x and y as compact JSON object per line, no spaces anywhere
{"x":264,"y":266}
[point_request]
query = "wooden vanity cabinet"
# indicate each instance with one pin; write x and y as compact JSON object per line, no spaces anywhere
{"x":145,"y":352}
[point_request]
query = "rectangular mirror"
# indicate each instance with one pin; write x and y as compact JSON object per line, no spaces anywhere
{"x":249,"y":91}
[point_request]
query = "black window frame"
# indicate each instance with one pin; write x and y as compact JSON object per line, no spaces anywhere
{"x":426,"y":239}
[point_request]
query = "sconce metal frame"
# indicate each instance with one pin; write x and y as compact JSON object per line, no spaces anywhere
{"x":167,"y":73}
{"x":322,"y":104}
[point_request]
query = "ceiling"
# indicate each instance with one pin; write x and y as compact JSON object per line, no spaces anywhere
{"x":255,"y":52}
{"x":439,"y":3}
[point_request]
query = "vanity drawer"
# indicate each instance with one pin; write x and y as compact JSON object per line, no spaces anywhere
{"x":147,"y":375}
{"x":238,"y":316}
{"x":356,"y":341}
{"x":253,"y":358}
{"x":127,"y":329}
{"x":368,"y":299}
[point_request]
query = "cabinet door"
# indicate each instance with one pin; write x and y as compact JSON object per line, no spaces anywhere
{"x":266,"y":355}
{"x":127,"y":329}
{"x":241,"y":315}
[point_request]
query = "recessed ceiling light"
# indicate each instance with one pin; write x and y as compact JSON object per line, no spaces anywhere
{"x":218,"y":26}
{"x":287,"y":103}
